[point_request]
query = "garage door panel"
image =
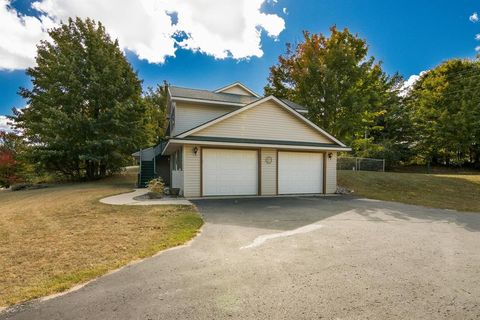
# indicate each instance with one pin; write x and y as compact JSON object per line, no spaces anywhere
{"x":229,"y":172}
{"x":300,"y":172}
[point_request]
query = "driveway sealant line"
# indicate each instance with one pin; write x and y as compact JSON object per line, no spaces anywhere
{"x":260,"y":240}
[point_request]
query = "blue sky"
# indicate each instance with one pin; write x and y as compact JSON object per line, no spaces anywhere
{"x":408,"y":36}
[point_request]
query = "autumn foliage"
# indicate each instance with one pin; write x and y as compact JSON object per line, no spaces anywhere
{"x":8,"y":163}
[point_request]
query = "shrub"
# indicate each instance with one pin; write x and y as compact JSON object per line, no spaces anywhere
{"x":21,"y":186}
{"x":156,"y":185}
{"x":28,"y":186}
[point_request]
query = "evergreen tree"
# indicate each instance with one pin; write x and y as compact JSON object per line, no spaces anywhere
{"x":85,"y":113}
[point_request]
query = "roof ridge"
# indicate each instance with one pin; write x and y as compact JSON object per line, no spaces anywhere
{"x":213,"y":92}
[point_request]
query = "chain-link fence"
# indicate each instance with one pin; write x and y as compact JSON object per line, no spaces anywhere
{"x":360,"y":164}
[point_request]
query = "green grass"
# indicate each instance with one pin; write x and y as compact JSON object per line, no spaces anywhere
{"x":52,"y":239}
{"x":447,"y":191}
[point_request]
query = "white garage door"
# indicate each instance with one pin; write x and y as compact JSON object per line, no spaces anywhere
{"x":300,"y":172}
{"x":229,"y":172}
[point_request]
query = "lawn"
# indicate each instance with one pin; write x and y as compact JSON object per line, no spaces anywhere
{"x":448,"y":191}
{"x":54,"y":238}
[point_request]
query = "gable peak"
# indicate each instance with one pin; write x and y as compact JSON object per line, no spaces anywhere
{"x":237,"y":88}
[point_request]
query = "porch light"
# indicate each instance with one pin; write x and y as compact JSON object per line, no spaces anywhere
{"x":330,"y":155}
{"x":195,"y":150}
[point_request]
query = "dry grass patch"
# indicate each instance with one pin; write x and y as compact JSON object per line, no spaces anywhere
{"x":447,"y":191}
{"x":54,"y":238}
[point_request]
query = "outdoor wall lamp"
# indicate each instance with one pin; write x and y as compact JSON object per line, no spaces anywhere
{"x":330,"y":155}
{"x":195,"y":150}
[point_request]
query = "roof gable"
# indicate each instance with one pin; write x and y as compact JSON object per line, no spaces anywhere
{"x":237,"y":88}
{"x":267,"y":118}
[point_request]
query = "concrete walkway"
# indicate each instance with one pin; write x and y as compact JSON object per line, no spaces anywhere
{"x":128,"y":199}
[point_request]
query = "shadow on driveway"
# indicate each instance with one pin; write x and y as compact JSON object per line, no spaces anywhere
{"x":287,"y":213}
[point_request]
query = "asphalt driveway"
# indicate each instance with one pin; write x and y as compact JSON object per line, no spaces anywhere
{"x":296,"y":258}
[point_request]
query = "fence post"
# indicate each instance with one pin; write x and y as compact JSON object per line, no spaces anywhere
{"x":383,"y":165}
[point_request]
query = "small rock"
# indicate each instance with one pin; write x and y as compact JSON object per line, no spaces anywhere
{"x":343,"y":190}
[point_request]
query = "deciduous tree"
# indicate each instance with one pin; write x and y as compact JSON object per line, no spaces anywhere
{"x":344,"y":89}
{"x":155,"y":101}
{"x":11,"y":146}
{"x":445,"y":112}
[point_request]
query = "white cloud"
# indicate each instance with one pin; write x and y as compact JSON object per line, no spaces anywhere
{"x":407,"y":85}
{"x":285,"y":11}
{"x":140,"y":26}
{"x":477,"y":37}
{"x":477,"y":48}
{"x":3,"y":124}
{"x":474,"y":17}
{"x":220,"y":28}
{"x":224,"y":28}
{"x":18,"y":37}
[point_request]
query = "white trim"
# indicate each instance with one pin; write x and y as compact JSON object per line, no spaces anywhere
{"x":208,"y":101}
{"x":233,"y":144}
{"x":254,"y":104}
{"x":239,"y":84}
{"x":166,"y":146}
{"x":169,"y":96}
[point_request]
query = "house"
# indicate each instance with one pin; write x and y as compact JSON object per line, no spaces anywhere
{"x":232,"y":141}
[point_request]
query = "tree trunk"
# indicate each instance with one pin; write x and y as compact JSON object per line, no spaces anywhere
{"x":103,"y":169}
{"x":90,"y":170}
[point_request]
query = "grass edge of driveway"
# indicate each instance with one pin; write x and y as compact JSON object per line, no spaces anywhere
{"x":458,"y":192}
{"x":107,"y":237}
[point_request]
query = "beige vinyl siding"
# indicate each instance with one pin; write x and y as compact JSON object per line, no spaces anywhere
{"x":331,"y":172}
{"x":269,"y":172}
{"x":191,"y":172}
{"x":237,"y":90}
{"x":192,"y":179}
{"x":188,"y":115}
{"x":266,"y":121}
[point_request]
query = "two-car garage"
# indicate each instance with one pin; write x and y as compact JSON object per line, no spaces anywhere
{"x":239,"y":172}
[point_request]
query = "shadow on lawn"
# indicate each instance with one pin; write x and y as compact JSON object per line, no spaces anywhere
{"x":383,"y":211}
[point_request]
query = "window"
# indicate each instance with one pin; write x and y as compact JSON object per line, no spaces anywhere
{"x":173,"y":161}
{"x":177,"y":160}
{"x":180,"y":159}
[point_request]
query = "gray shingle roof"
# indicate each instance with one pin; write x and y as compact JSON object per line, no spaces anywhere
{"x":179,"y":92}
{"x":294,"y":105}
{"x":208,"y":95}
